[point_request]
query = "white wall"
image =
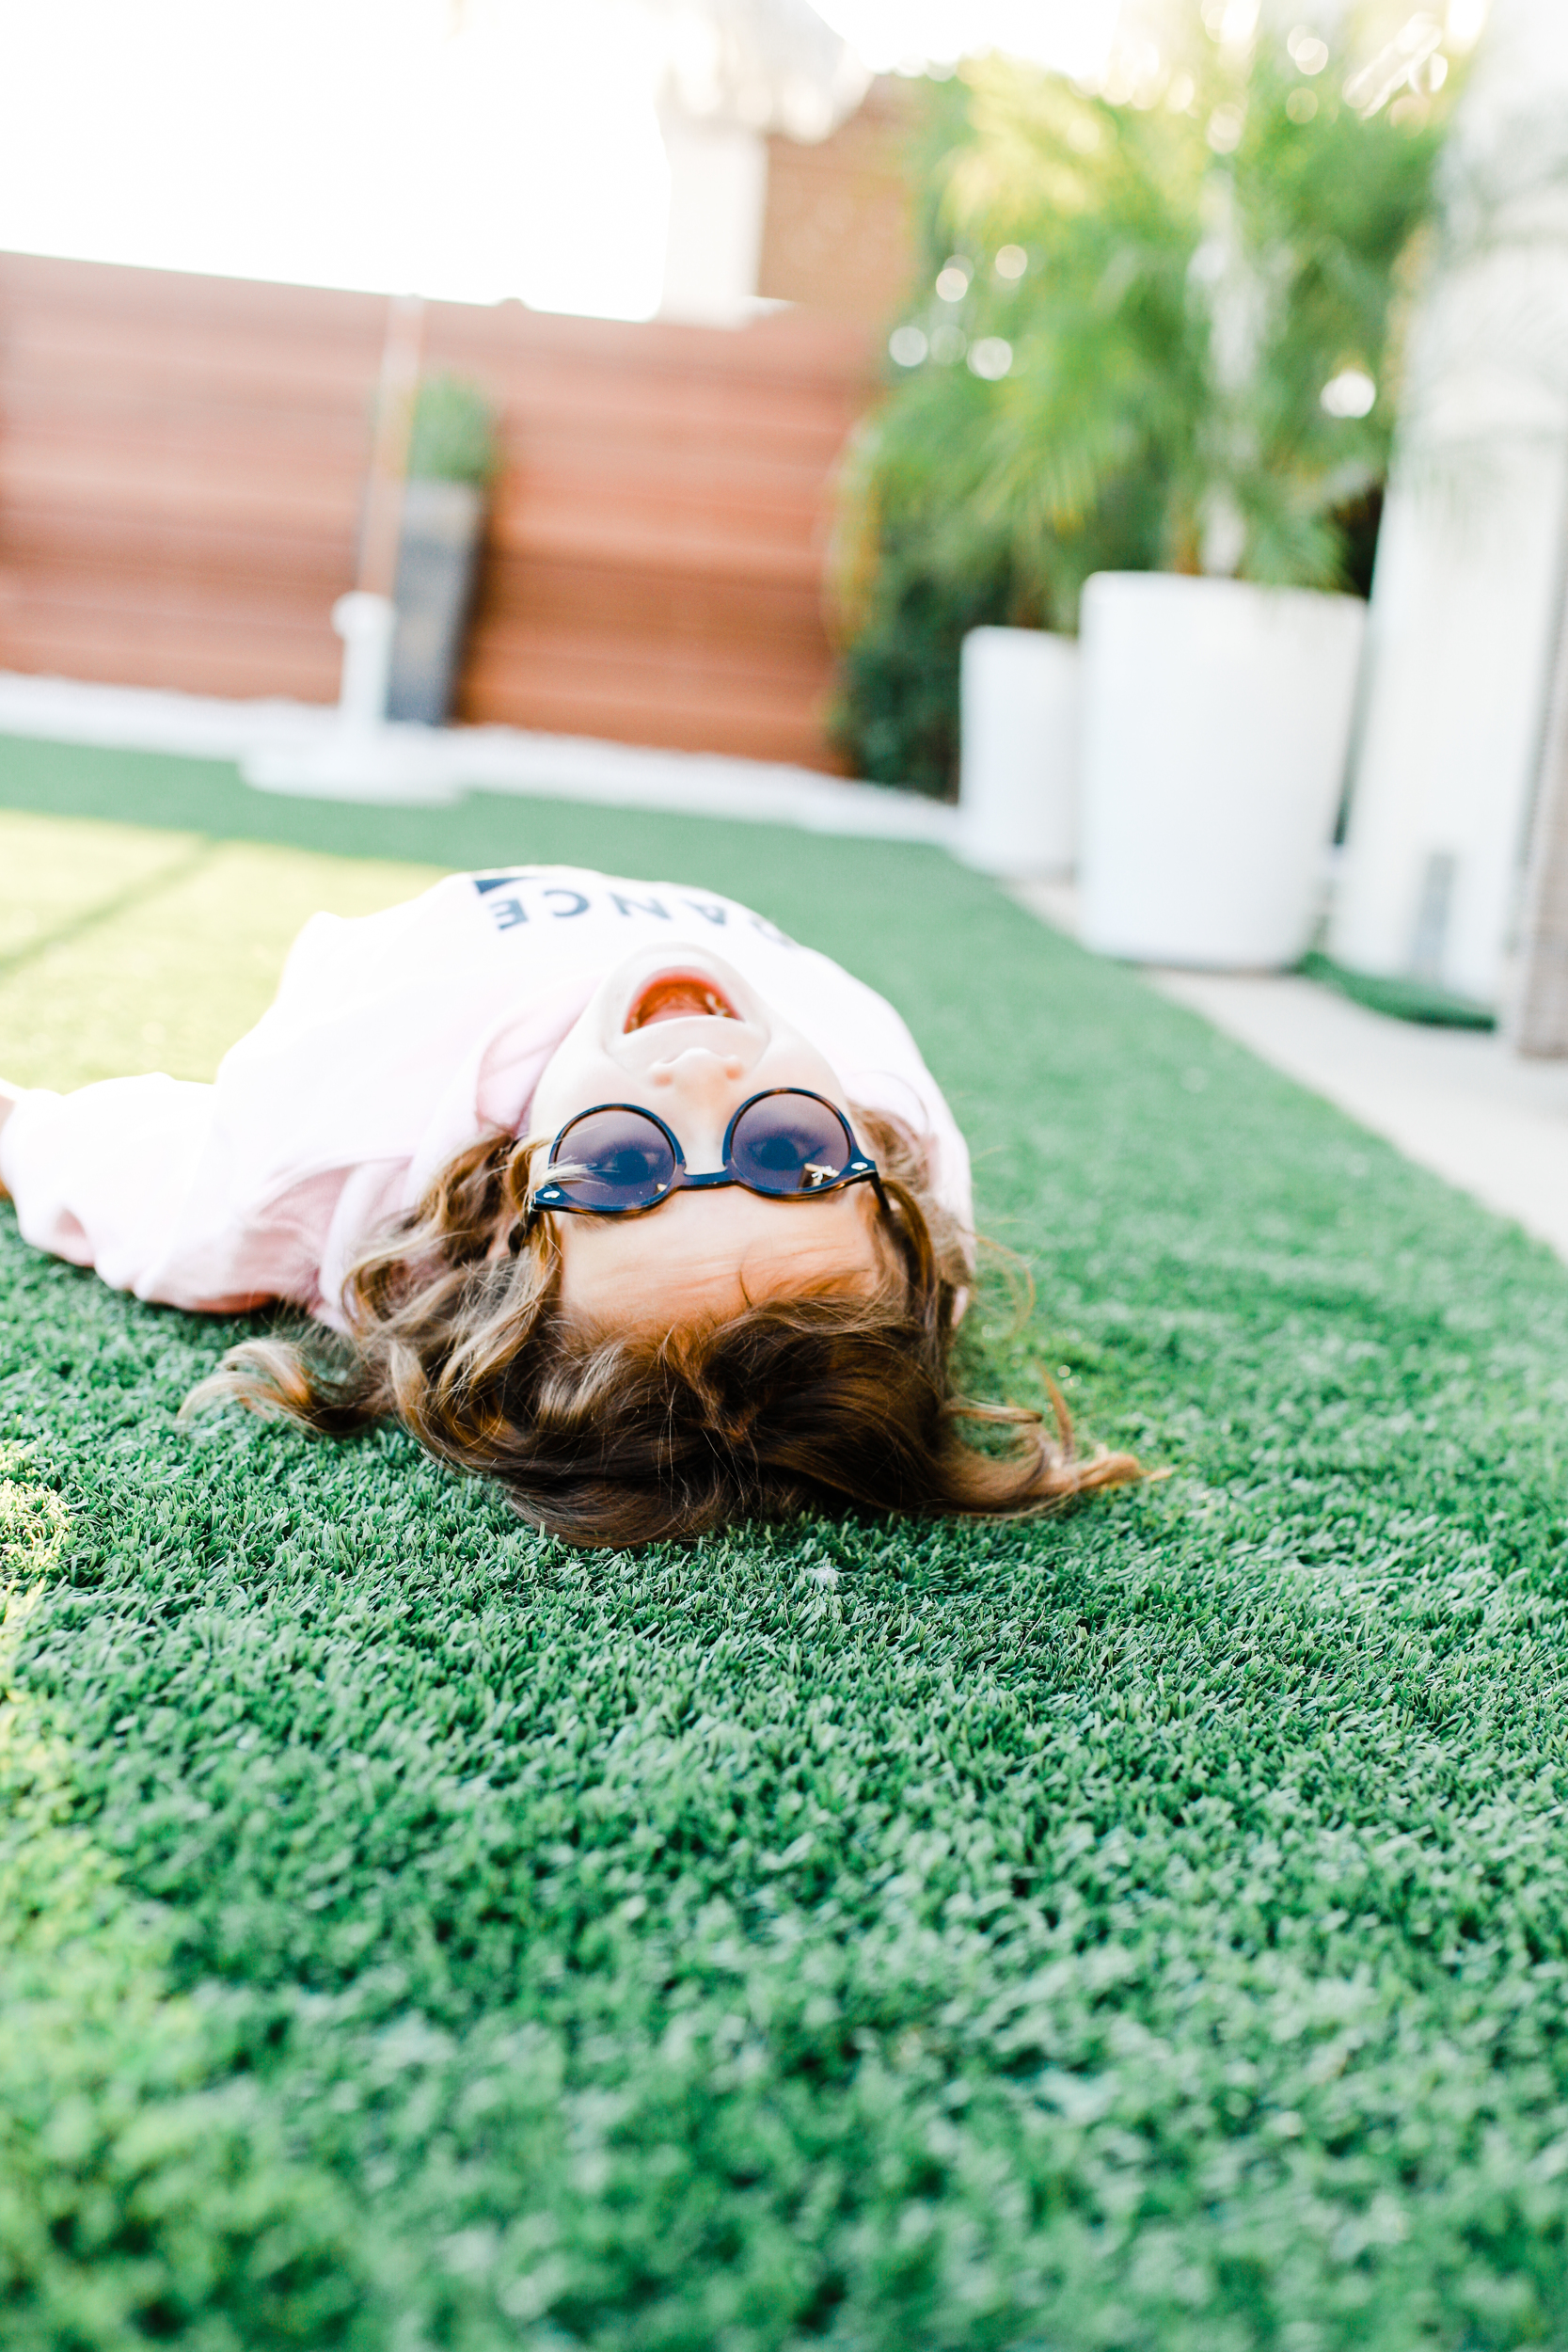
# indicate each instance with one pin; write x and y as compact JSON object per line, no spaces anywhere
{"x":1459,"y":655}
{"x":1468,"y":584}
{"x":718,"y":192}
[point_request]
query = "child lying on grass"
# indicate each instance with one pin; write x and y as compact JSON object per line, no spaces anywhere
{"x":587,"y":1208}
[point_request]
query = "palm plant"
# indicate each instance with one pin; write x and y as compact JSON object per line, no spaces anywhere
{"x":453,"y":435}
{"x":1161,"y":330}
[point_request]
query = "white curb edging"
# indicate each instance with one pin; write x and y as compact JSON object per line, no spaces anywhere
{"x":307,"y":750}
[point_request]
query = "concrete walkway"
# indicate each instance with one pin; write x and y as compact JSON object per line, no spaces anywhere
{"x":1456,"y":1100}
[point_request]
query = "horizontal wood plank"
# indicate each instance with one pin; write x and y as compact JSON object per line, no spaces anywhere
{"x":182,"y":472}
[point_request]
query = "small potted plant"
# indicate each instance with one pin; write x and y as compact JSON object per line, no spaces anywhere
{"x":453,"y":456}
{"x":1158,"y":355}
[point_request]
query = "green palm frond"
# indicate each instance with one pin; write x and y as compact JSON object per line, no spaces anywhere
{"x":1184,"y":299}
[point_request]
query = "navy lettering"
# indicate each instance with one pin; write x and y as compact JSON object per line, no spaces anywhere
{"x":565,"y":915}
{"x":638,"y":906}
{"x":509,"y":913}
{"x":715,"y":914}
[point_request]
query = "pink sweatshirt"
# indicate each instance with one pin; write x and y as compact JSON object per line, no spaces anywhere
{"x":394,"y":1040}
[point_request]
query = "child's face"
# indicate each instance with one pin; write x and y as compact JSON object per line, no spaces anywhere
{"x":691,"y":1040}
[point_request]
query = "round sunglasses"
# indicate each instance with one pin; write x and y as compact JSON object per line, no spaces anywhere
{"x":618,"y":1159}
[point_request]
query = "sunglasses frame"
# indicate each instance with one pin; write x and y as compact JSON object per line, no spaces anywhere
{"x":858,"y":1169}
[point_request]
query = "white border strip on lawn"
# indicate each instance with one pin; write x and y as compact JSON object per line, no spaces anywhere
{"x":304,"y":749}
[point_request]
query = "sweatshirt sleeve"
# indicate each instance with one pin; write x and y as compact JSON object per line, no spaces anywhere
{"x":104,"y":1177}
{"x":392,"y":1041}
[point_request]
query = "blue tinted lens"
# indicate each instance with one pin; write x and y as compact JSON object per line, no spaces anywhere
{"x":787,"y":1143}
{"x":614,"y":1159}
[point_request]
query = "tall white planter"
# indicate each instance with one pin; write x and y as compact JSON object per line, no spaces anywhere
{"x":1017,"y":763}
{"x":1216,"y":725}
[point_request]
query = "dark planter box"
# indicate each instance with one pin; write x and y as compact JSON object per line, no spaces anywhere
{"x":443,"y":528}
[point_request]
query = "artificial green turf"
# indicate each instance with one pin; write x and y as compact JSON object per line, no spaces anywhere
{"x":123,"y":949}
{"x":1400,"y":997}
{"x":1144,"y":1929}
{"x":208,"y":796}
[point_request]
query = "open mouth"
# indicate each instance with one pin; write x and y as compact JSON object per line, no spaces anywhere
{"x":678,"y":997}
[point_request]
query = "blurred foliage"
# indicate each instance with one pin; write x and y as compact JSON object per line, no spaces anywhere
{"x":455,"y":434}
{"x":1199,"y":250}
{"x":900,"y":672}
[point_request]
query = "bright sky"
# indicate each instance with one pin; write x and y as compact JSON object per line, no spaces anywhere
{"x":464,"y":149}
{"x":1072,"y":35}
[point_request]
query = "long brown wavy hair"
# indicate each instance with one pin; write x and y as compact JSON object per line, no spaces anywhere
{"x":816,"y":1403}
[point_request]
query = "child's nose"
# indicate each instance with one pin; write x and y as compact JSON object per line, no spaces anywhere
{"x":705,"y":1090}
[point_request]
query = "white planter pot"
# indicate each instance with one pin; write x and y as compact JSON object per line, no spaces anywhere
{"x":1216,"y":725}
{"x":1018,"y":786}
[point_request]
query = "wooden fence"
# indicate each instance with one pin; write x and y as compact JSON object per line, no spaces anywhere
{"x":181,"y":470}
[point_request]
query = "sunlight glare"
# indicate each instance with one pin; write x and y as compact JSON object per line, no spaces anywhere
{"x":1073,"y":35}
{"x":507,"y":148}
